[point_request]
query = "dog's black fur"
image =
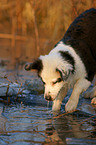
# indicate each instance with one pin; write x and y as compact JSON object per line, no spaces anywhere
{"x":36,"y":65}
{"x":81,"y":35}
{"x":69,"y":58}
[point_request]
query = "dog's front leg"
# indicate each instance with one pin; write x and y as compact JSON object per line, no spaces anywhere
{"x":58,"y":101}
{"x":56,"y":105}
{"x":80,"y":86}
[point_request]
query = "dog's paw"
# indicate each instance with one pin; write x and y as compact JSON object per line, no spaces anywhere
{"x":93,"y":101}
{"x":70,"y":106}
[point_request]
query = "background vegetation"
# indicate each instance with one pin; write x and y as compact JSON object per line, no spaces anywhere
{"x":29,"y":28}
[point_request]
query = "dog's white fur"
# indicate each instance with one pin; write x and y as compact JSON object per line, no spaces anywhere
{"x":76,"y":81}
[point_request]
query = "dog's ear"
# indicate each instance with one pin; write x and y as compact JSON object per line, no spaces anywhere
{"x":36,"y":64}
{"x":64,"y":75}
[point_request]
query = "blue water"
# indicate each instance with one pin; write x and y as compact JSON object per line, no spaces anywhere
{"x":28,"y":125}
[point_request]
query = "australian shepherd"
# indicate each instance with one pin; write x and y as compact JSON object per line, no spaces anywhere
{"x":71,"y":63}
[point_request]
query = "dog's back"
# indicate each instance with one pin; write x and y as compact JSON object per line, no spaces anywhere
{"x":81,"y":35}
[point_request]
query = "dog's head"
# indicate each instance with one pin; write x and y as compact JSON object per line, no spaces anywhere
{"x":54,"y":70}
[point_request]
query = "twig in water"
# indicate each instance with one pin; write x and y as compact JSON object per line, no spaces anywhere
{"x":19,"y":92}
{"x":7,"y":90}
{"x":66,"y":113}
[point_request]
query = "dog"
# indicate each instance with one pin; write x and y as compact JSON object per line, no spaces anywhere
{"x":71,"y":63}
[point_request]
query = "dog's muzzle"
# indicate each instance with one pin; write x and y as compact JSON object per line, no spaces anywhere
{"x":48,"y":98}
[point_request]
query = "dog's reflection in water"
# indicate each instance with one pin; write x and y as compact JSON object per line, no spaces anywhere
{"x":52,"y":136}
{"x":70,"y":126}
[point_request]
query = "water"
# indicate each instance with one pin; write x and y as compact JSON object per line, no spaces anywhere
{"x":28,"y":125}
{"x":35,"y":124}
{"x":23,"y":124}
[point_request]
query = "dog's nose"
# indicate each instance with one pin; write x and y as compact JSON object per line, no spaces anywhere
{"x":48,"y":98}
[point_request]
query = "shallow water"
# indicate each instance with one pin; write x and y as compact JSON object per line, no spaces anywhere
{"x":28,"y":125}
{"x":36,"y":124}
{"x":22,"y":124}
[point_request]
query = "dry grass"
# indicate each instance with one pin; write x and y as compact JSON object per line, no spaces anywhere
{"x":42,"y":23}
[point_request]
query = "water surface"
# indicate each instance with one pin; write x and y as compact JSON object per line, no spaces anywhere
{"x":30,"y":125}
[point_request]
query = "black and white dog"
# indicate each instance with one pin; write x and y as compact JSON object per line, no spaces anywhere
{"x":72,"y":62}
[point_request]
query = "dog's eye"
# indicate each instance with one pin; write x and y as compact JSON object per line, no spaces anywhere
{"x":57,"y":81}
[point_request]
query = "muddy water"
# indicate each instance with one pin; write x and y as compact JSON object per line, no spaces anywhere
{"x":35,"y":124}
